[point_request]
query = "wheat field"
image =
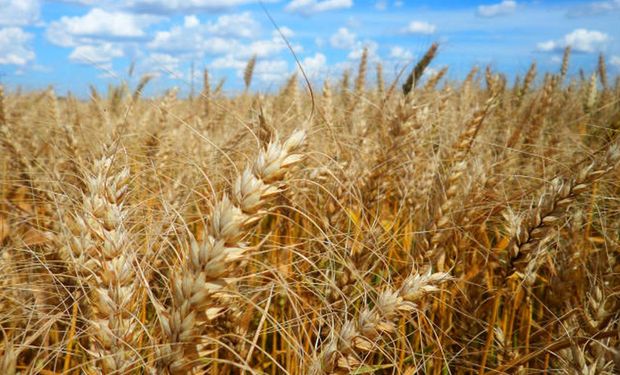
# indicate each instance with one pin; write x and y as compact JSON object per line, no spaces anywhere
{"x":410,"y":226}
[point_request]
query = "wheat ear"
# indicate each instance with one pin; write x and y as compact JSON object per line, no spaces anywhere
{"x":102,"y":253}
{"x":439,"y":230}
{"x":202,"y":273}
{"x":249,"y":72}
{"x":341,"y":353}
{"x":535,"y":225}
{"x":418,"y":70}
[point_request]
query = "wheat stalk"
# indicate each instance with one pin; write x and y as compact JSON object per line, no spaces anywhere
{"x":418,"y":70}
{"x":341,"y":353}
{"x":203,"y":270}
{"x":105,"y":261}
{"x":249,"y":72}
{"x":535,"y":225}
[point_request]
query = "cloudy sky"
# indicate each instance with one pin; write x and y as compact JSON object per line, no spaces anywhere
{"x":73,"y":43}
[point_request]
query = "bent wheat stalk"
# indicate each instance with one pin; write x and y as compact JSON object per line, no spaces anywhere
{"x":341,"y":352}
{"x":535,"y":225}
{"x":202,"y":272}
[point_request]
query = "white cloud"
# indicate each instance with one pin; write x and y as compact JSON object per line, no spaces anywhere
{"x":615,"y":61}
{"x":270,"y":71}
{"x":381,"y":5}
{"x":586,"y":40}
{"x":265,"y":71}
{"x":315,"y":66}
{"x":167,"y":6}
{"x":191,"y":21}
{"x":14,"y":46}
{"x":88,"y":2}
{"x":212,"y":38}
{"x":580,"y":40}
{"x":308,"y":7}
{"x":287,"y":32}
{"x":159,"y":64}
{"x":267,"y":47}
{"x":400,"y":54}
{"x":228,"y":61}
{"x":98,"y":24}
{"x":500,"y":9}
{"x":547,"y":46}
{"x":343,"y":39}
{"x":240,"y":25}
{"x":98,"y":54}
{"x":358,"y":50}
{"x":347,"y":40}
{"x":19,"y":12}
{"x":193,"y":44}
{"x":232,"y":39}
{"x":419,"y":27}
{"x":238,"y":54}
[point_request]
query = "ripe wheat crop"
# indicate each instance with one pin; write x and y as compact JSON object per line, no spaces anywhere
{"x":415,"y":226}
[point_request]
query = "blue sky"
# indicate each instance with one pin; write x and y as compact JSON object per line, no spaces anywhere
{"x":70,"y":44}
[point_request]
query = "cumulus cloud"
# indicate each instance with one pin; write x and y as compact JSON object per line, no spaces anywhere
{"x":500,"y":9}
{"x":175,"y":41}
{"x":191,"y":21}
{"x":270,"y":71}
{"x":98,"y":24}
{"x":159,"y":64}
{"x":358,"y":50}
{"x":240,"y":25}
{"x":228,"y":61}
{"x":217,"y":37}
{"x":315,"y":66}
{"x":419,"y":27}
{"x":615,"y":61}
{"x":264,"y":48}
{"x":265,"y":71}
{"x":580,"y":40}
{"x":167,"y":6}
{"x":227,"y":37}
{"x":15,"y":47}
{"x":308,"y":7}
{"x":287,"y":32}
{"x":400,"y":54}
{"x":19,"y":12}
{"x":101,"y":54}
{"x":343,"y":39}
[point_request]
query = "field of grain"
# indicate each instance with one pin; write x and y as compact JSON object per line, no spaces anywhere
{"x":375,"y":226}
